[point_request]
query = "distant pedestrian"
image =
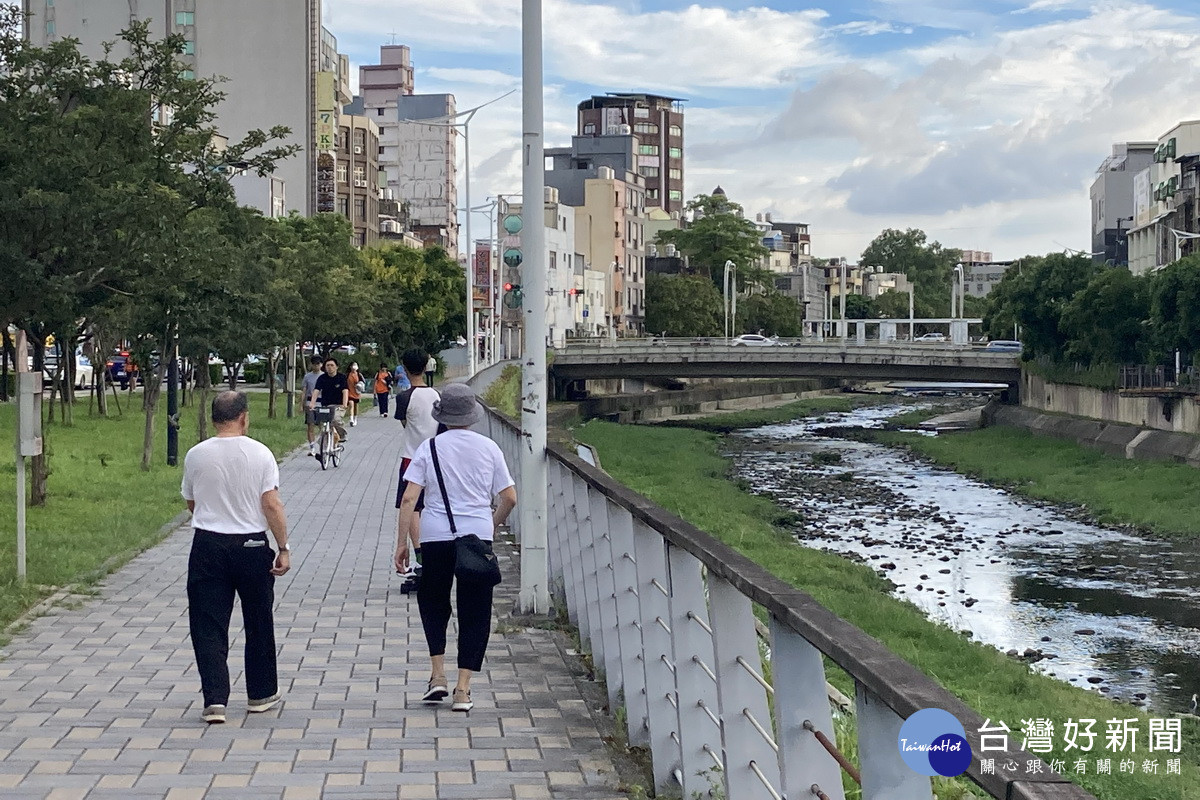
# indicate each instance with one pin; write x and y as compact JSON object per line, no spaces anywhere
{"x":461,"y":472}
{"x":310,"y":383}
{"x":414,"y":408}
{"x":355,"y":387}
{"x":231,"y":485}
{"x":430,"y":369}
{"x":383,"y":387}
{"x":400,"y":381}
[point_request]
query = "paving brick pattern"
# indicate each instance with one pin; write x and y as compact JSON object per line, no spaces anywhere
{"x":103,"y":700}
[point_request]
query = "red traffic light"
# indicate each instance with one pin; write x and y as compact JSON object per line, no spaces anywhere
{"x":572,"y":292}
{"x":508,"y":287}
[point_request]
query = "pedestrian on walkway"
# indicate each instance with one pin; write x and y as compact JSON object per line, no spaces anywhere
{"x":355,"y":388}
{"x":430,"y":369}
{"x":310,"y":383}
{"x":463,"y":471}
{"x":231,"y":485}
{"x":331,"y":391}
{"x":414,"y":409}
{"x":383,"y":388}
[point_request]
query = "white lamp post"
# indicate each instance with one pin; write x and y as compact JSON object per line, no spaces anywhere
{"x":730,"y":292}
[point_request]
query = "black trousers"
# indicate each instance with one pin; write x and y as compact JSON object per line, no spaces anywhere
{"x":433,"y":599}
{"x":381,"y":402}
{"x":221,"y":565}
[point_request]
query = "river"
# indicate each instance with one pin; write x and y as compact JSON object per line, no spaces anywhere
{"x":1112,"y":611}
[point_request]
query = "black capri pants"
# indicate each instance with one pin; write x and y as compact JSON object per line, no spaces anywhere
{"x":433,"y":599}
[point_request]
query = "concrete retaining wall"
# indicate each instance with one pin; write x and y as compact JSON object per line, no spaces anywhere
{"x":1178,"y":415}
{"x":1116,"y":439}
{"x":733,"y":396}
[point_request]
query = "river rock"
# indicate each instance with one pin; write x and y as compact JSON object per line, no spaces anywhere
{"x":1085,"y":632}
{"x":1095,"y":679}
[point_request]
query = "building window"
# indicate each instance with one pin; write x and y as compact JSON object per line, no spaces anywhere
{"x":360,"y":208}
{"x":51,"y":28}
{"x":341,"y":172}
{"x":675,"y":131}
{"x":641,"y":112}
{"x":649,"y":172}
{"x":187,"y":74}
{"x":645,"y":127}
{"x":360,"y":175}
{"x":344,"y":206}
{"x":648,"y":149}
{"x":675,"y":194}
{"x":379,"y":112}
{"x":652,"y":194}
{"x":677,"y":174}
{"x":185,"y":18}
{"x":675,"y":152}
{"x":589,"y":128}
{"x":189,"y":48}
{"x":360,"y":138}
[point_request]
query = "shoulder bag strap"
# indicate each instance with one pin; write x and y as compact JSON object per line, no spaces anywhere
{"x":437,"y":469}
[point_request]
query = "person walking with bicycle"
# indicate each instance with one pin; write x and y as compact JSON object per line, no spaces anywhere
{"x":461,"y":473}
{"x":332,"y":391}
{"x":231,"y":485}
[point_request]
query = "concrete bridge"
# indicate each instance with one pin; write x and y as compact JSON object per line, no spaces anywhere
{"x":874,"y":361}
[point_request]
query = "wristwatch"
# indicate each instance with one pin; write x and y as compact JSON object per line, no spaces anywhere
{"x":285,"y":548}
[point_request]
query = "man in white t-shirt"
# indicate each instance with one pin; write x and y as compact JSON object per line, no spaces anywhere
{"x":472,"y":475}
{"x":415,"y":410}
{"x":231,"y":485}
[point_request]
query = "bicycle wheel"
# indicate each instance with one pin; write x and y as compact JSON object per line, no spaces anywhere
{"x":336,"y":455}
{"x":323,"y":450}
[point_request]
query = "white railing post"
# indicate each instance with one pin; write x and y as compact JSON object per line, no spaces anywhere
{"x":588,"y":531}
{"x":699,"y":725}
{"x":885,"y":776}
{"x":650,"y":551}
{"x":629,"y":630}
{"x":606,"y":591}
{"x":558,"y":476}
{"x":798,"y":675}
{"x":743,"y":699}
{"x":578,"y":516}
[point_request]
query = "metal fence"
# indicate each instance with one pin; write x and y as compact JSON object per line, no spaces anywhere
{"x":1142,"y":376}
{"x":667,"y":614}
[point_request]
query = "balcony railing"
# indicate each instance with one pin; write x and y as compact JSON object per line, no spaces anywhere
{"x":667,"y":613}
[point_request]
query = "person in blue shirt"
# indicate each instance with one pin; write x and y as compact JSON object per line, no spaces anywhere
{"x":400,"y":382}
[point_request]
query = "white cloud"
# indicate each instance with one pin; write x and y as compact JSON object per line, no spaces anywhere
{"x":870,"y":28}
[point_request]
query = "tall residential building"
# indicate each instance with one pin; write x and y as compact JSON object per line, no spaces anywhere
{"x":419,"y":160}
{"x":269,"y":50}
{"x":1112,"y":199}
{"x":656,"y":123}
{"x":357,"y":168}
{"x":1165,"y":217}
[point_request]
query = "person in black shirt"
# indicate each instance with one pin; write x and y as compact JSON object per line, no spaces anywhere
{"x":332,"y":390}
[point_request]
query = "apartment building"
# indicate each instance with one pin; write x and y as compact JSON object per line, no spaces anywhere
{"x":1112,"y":199}
{"x":656,"y":124}
{"x":1165,"y":224}
{"x":269,"y":50}
{"x":357,"y":176}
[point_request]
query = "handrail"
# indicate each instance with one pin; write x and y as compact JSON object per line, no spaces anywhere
{"x":882,"y":676}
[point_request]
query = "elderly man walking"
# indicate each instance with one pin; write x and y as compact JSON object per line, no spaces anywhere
{"x":231,"y":485}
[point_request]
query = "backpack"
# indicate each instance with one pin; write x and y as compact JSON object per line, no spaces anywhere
{"x":403,"y":399}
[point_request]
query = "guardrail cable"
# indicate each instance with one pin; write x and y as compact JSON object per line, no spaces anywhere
{"x":654,"y":582}
{"x":770,"y":740}
{"x":831,"y":748}
{"x":766,"y":783}
{"x":763,"y":682}
{"x":703,"y":707}
{"x":692,"y":616}
{"x":818,"y":792}
{"x":707,"y":670}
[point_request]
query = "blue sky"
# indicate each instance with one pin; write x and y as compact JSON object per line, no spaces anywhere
{"x":980,"y":121}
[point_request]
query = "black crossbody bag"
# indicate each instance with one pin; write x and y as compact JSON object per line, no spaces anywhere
{"x":474,"y":561}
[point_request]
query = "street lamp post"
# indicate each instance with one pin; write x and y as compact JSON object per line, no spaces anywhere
{"x":491,"y":207}
{"x":842,"y":303}
{"x":730,"y":297}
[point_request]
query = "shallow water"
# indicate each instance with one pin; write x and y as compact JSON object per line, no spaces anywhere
{"x":1015,"y":574}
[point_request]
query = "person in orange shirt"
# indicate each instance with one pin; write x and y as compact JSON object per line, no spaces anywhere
{"x":383,"y":389}
{"x":354,"y":379}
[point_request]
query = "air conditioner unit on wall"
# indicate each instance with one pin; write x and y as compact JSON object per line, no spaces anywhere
{"x":358,"y":151}
{"x":360,"y":183}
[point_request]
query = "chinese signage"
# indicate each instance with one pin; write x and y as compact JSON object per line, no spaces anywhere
{"x":483,"y":263}
{"x":326,"y":130}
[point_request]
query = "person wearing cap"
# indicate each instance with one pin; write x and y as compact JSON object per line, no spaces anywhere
{"x":473,"y":473}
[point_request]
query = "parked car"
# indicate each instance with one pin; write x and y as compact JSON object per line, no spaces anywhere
{"x":931,"y":337}
{"x":1003,"y":346}
{"x":756,"y":340}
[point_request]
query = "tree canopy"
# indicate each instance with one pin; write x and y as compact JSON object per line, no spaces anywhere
{"x":929,"y":267}
{"x":718,"y":232}
{"x":683,"y":305}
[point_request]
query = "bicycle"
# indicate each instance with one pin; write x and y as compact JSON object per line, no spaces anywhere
{"x":328,"y":450}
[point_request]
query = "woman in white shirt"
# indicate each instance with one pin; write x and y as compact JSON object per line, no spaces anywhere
{"x":473,"y":472}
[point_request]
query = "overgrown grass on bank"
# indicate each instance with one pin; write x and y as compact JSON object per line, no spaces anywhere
{"x":725,"y":422}
{"x":1157,"y":496}
{"x":682,"y":471}
{"x":1099,"y":376}
{"x":504,"y":393}
{"x":101,"y":504}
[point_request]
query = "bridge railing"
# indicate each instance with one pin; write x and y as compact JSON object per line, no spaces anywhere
{"x":667,"y":614}
{"x":582,"y":342}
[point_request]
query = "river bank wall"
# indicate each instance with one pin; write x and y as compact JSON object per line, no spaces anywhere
{"x":1173,"y":414}
{"x":726,"y":396}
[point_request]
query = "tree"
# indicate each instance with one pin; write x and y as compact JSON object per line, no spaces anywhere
{"x":1175,"y":308}
{"x":337,"y":300}
{"x":718,"y":233}
{"x":858,"y":307}
{"x":420,"y":298}
{"x":1106,"y":322}
{"x":928,"y":266}
{"x":683,"y":305}
{"x":892,"y":305}
{"x":773,"y":313}
{"x":1034,"y":297}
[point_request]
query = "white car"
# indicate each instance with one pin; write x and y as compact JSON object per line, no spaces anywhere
{"x":756,"y":340}
{"x":931,"y":337}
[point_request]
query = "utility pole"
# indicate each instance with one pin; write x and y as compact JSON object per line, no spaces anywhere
{"x":535,"y":566}
{"x":173,"y":397}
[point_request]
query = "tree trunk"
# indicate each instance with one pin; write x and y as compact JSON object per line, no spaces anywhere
{"x":4,"y":348}
{"x":153,"y":386}
{"x":99,"y":376}
{"x":39,"y":464}
{"x":203,"y":379}
{"x":272,"y":361}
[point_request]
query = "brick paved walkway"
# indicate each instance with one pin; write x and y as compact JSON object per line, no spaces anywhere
{"x":103,"y":700}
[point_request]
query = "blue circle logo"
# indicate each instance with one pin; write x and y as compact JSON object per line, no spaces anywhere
{"x":932,"y":742}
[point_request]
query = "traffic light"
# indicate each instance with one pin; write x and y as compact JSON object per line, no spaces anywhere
{"x":508,"y":287}
{"x":513,"y":297}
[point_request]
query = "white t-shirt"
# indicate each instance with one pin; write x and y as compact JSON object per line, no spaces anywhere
{"x":474,"y":471}
{"x":419,"y":424}
{"x":227,"y":476}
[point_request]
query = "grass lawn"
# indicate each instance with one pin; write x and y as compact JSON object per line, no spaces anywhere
{"x":101,"y":504}
{"x":1156,"y":496}
{"x":682,"y":471}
